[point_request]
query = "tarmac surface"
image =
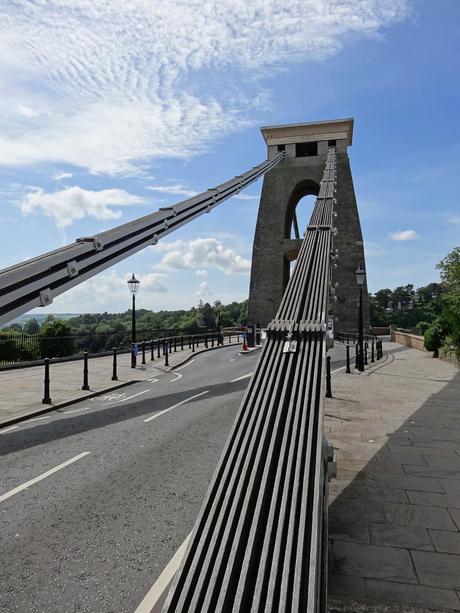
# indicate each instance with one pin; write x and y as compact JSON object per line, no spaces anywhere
{"x":394,"y":510}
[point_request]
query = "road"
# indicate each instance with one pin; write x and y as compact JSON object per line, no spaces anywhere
{"x":96,"y":498}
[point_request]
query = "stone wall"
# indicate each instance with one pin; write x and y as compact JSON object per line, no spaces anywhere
{"x":380,"y":331}
{"x":449,"y":357}
{"x":410,"y":340}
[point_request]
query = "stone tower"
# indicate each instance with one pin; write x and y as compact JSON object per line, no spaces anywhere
{"x":299,"y":175}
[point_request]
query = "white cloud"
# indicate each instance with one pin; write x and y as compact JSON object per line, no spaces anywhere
{"x":200,"y":252}
{"x":152,"y":282}
{"x":119,"y":83}
{"x":246,"y":197}
{"x":371,"y":249}
{"x":404,"y":235}
{"x":455,"y":219}
{"x":173,"y":189}
{"x":204,"y":290}
{"x":26,"y":111}
{"x":202,"y":273}
{"x":61,"y":175}
{"x":76,"y":203}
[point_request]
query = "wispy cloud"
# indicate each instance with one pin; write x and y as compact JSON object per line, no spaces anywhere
{"x":61,"y":175}
{"x":404,"y":235}
{"x":204,"y":290}
{"x":111,"y":85}
{"x":200,"y":252}
{"x":371,"y":249}
{"x":202,"y":273}
{"x":246,"y":197}
{"x":172,"y":189}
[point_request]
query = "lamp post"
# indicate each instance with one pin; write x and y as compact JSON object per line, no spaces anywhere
{"x":360,"y":277}
{"x":133,"y":285}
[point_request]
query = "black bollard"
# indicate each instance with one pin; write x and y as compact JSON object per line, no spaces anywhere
{"x":114,"y":373}
{"x":143,"y":352}
{"x":328,"y":377}
{"x":152,"y":358}
{"x":229,"y":338}
{"x":133,"y":356}
{"x":348,"y":359}
{"x":175,"y":344}
{"x":197,"y":340}
{"x":356,"y":357}
{"x":182,"y":343}
{"x":212,"y":339}
{"x":158,"y":348}
{"x":189,"y":341}
{"x":85,"y":385}
{"x":366,"y":347}
{"x":372,"y":351}
{"x":166,"y":354}
{"x":206,"y":340}
{"x":193,"y":343}
{"x":47,"y":399}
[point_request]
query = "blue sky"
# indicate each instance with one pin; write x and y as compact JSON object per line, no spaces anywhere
{"x":111,"y":110}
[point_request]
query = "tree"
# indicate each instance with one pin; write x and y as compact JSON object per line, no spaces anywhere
{"x":32,"y":326}
{"x":57,"y":340}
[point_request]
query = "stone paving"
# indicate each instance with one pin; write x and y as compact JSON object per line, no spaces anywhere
{"x":394,"y":510}
{"x":22,"y":390}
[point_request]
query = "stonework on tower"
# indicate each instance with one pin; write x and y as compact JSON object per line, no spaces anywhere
{"x":299,"y":175}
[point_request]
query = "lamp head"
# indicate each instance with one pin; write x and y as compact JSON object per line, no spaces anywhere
{"x":133,"y":285}
{"x":360,"y":275}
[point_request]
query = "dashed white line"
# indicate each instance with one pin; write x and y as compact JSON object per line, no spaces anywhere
{"x":47,"y":474}
{"x":9,"y":429}
{"x":76,"y":410}
{"x":175,"y":406}
{"x":242,"y":377}
{"x":38,"y":418}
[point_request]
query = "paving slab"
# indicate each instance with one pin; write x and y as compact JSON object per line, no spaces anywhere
{"x":394,"y":510}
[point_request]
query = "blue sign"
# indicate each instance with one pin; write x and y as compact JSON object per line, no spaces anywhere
{"x":135,"y":348}
{"x":244,"y":334}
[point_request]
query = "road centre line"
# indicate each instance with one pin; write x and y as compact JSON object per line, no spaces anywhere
{"x":76,"y":410}
{"x":124,"y":399}
{"x":9,"y":429}
{"x":175,"y":406}
{"x":242,"y":377}
{"x":43,"y":476}
{"x":163,"y":581}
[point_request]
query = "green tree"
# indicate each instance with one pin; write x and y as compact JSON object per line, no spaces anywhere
{"x":57,"y":340}
{"x":32,"y":326}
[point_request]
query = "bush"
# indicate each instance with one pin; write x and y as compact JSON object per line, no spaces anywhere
{"x":435,"y":336}
{"x":423,"y":325}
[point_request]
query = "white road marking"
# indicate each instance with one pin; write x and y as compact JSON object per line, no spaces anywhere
{"x":152,"y":380}
{"x":163,"y":581}
{"x":47,"y":474}
{"x":242,"y":377}
{"x":188,"y":363}
{"x":337,"y":370}
{"x":76,"y":410}
{"x":175,"y":406}
{"x":128,"y":398}
{"x":38,"y":418}
{"x":233,"y":360}
{"x":9,"y":429}
{"x":108,"y":397}
{"x":179,"y":376}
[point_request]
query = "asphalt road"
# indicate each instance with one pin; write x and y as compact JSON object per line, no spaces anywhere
{"x":119,"y":481}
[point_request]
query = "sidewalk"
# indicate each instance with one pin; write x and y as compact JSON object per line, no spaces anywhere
{"x":394,"y":510}
{"x":22,"y":389}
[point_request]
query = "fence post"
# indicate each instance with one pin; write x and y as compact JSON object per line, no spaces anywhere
{"x":166,"y":354}
{"x":47,"y":399}
{"x":85,"y":385}
{"x":348,"y":359}
{"x":328,"y":377}
{"x":114,"y":373}
{"x":143,"y":352}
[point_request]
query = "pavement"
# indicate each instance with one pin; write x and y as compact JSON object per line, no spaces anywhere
{"x":394,"y":509}
{"x":22,"y":390}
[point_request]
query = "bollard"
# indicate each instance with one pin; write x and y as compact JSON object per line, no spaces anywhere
{"x":152,"y":358}
{"x":114,"y":373}
{"x":206,"y":340}
{"x":366,"y":347}
{"x":85,"y":385}
{"x":212,"y":339}
{"x":158,"y":347}
{"x":238,"y":339}
{"x":372,"y":352}
{"x":47,"y":399}
{"x":356,"y":357}
{"x":189,"y":341}
{"x":193,"y":343}
{"x":182,"y":343}
{"x":197,"y":340}
{"x":229,"y":338}
{"x":143,"y":352}
{"x":328,"y":377}
{"x":166,"y":354}
{"x":175,"y":344}
{"x":348,"y":359}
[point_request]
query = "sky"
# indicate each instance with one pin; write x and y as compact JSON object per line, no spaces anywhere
{"x":111,"y":109}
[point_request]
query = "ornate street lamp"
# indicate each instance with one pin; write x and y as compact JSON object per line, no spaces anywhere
{"x":360,"y":277}
{"x":133,"y":285}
